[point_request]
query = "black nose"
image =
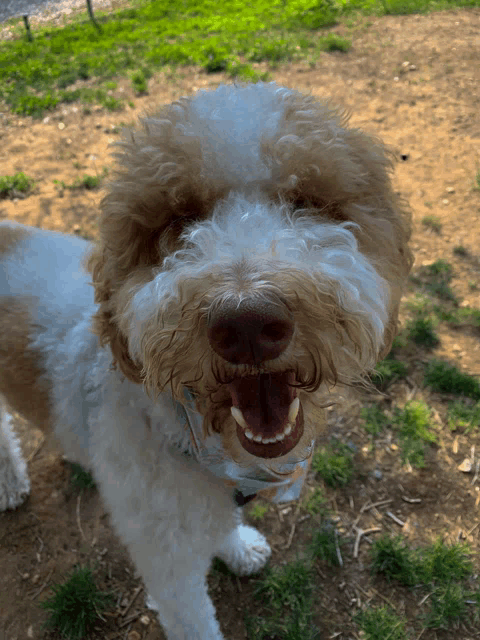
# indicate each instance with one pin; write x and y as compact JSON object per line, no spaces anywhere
{"x":250,"y":332}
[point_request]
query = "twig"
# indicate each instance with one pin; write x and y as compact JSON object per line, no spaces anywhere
{"x":337,"y":548}
{"x":360,"y":534}
{"x":411,"y":500}
{"x":380,"y":503}
{"x":133,"y":617}
{"x":395,"y":519}
{"x":134,"y":597}
{"x":39,"y":591}
{"x":78,"y":517}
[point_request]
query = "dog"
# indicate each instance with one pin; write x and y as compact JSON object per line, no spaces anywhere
{"x":251,"y":256}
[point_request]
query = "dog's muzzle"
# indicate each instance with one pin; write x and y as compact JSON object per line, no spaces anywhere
{"x":265,"y":407}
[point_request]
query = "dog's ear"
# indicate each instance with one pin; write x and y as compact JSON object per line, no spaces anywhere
{"x":329,"y":169}
{"x":158,"y":188}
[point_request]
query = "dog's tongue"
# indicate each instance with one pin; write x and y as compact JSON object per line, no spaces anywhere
{"x":264,"y":401}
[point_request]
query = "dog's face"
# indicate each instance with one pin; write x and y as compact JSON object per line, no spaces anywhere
{"x":256,"y":269}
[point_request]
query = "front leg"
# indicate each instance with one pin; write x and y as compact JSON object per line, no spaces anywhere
{"x":14,"y":482}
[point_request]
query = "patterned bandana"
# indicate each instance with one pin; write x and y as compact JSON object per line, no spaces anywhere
{"x":273,"y":481}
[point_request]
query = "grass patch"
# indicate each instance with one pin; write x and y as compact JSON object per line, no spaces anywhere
{"x":150,"y":35}
{"x":316,"y":503}
{"x":442,"y":563}
{"x":334,"y":463}
{"x":447,"y":606}
{"x":380,"y":623}
{"x":433,"y":223}
{"x":325,"y":545}
{"x":446,"y":378}
{"x":413,"y":426}
{"x":76,"y":604}
{"x":463,"y":416}
{"x":80,"y":478}
{"x":258,"y":511}
{"x":387,"y":371}
{"x":375,"y":420}
{"x":460,"y":251}
{"x":18,"y":184}
{"x":421,"y":331}
{"x":286,"y":594}
{"x":391,"y":557}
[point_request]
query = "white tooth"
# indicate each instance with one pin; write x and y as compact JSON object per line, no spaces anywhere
{"x":238,"y":417}
{"x":293,"y":410}
{"x":288,"y":430}
{"x":249,"y":435}
{"x":257,"y":438}
{"x":280,"y":436}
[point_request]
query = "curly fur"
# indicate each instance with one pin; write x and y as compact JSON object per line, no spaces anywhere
{"x":245,"y":197}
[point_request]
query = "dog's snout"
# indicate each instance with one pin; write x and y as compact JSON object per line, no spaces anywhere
{"x":250,"y":333}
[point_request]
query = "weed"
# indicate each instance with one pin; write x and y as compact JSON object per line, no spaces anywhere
{"x":324,"y":13}
{"x":139,"y":82}
{"x":442,"y":563}
{"x":477,"y":181}
{"x":375,"y":420}
{"x":392,"y":557}
{"x":316,"y":502}
{"x":334,"y":42}
{"x":460,"y":251}
{"x":447,"y":606}
{"x":75,"y":605}
{"x":258,"y":511}
{"x":387,"y":371}
{"x":12,"y":186}
{"x":413,"y":425}
{"x":463,"y":416}
{"x":380,"y":623}
{"x":80,"y":478}
{"x":446,"y":378}
{"x":421,"y":330}
{"x":334,"y":464}
{"x":287,"y":593}
{"x":324,"y":545}
{"x":432,"y":222}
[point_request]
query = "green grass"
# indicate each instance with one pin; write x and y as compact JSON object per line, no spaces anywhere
{"x":286,"y":594}
{"x":442,"y":563}
{"x":381,"y":623}
{"x":316,"y":503}
{"x":421,"y":331}
{"x":75,"y":605}
{"x":460,"y":251}
{"x":375,"y":420}
{"x":150,"y":35}
{"x":87,"y":182}
{"x":324,"y":545}
{"x":393,"y":558}
{"x":387,"y":371}
{"x":446,"y":378}
{"x":447,"y":606}
{"x":334,"y":463}
{"x":80,"y":478}
{"x":19,"y":182}
{"x":432,"y":222}
{"x":414,"y":429}
{"x":463,"y":416}
{"x":258,"y":510}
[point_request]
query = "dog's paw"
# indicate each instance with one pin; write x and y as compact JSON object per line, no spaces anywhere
{"x":246,"y":551}
{"x":14,"y":483}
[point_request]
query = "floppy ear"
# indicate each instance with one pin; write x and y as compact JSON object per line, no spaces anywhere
{"x":159,"y":186}
{"x":337,"y":172}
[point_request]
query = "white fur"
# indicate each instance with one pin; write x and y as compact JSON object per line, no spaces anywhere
{"x":172,"y":510}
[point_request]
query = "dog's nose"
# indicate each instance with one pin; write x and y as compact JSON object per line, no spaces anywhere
{"x":250,"y":333}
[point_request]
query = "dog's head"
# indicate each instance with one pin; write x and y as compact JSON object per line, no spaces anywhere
{"x":252,"y":250}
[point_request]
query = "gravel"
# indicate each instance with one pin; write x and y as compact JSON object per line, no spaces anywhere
{"x":45,"y":10}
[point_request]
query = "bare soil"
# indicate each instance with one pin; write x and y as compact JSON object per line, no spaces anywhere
{"x":415,"y":82}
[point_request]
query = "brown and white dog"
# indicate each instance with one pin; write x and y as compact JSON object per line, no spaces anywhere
{"x":251,"y":255}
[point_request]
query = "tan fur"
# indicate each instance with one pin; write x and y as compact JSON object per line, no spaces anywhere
{"x":162,"y":185}
{"x":21,"y":369}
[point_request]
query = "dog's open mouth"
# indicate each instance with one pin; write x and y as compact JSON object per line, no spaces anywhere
{"x":267,"y":412}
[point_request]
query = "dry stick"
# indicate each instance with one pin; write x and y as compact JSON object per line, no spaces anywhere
{"x":395,"y":519}
{"x":360,"y":534}
{"x":134,"y":597}
{"x":78,"y":517}
{"x":337,"y":548}
{"x":380,"y":503}
{"x":37,"y":593}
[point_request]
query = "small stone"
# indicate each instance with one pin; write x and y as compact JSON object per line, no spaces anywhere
{"x":450,"y":190}
{"x":30,"y":631}
{"x":134,"y":635}
{"x":466,"y":466}
{"x":61,"y":126}
{"x":46,"y":120}
{"x":396,"y":79}
{"x":377,"y":474}
{"x":412,"y":67}
{"x":405,"y":64}
{"x":145,"y":620}
{"x":445,"y":201}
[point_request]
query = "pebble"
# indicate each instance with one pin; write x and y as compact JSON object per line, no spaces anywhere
{"x":377,"y":474}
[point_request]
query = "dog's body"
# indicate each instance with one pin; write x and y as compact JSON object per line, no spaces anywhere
{"x":251,"y":254}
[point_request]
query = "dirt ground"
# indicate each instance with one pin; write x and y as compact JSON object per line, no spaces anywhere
{"x":415,"y":82}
